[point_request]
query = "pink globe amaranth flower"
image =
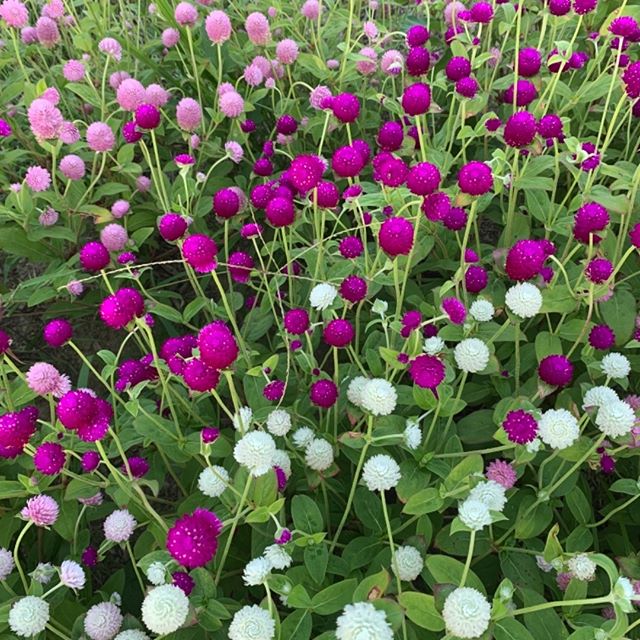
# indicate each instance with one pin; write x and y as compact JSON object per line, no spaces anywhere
{"x":57,"y":332}
{"x":257,"y":27}
{"x":200,"y":252}
{"x":455,"y":309}
{"x":418,"y":61}
{"x":475,"y":279}
{"x":521,"y":427}
{"x":263,"y":167}
{"x":318,"y":97}
{"x":305,"y":172}
{"x":589,"y":218}
{"x":455,"y":218}
{"x":42,"y":510}
{"x":188,"y":114}
{"x":435,"y":206}
{"x":502,"y":472}
{"x":68,"y":133}
{"x":175,"y":350}
{"x":520,"y":129}
{"x":338,"y":333}
{"x":423,"y":179}
{"x":416,"y":99}
{"x":217,"y":344}
{"x":631,"y":79}
{"x":111,"y":47}
{"x":251,"y":230}
{"x":157,"y":95}
{"x":183,"y":581}
{"x":240,"y":266}
{"x":481,"y":12}
{"x":94,"y":256}
{"x":218,"y":27}
{"x":131,"y":94}
{"x":583,"y":7}
{"x":368,"y":62}
{"x":170,"y":37}
{"x":602,"y":337}
{"x":186,"y":14}
{"x":260,"y":195}
{"x":119,"y":526}
{"x":353,"y":289}
{"x":28,"y":35}
{"x":311,"y":9}
{"x":347,"y":162}
{"x":193,"y":540}
{"x":323,"y":393}
{"x":114,"y":237}
{"x":73,"y":71}
{"x":529,"y":62}
{"x":49,"y":458}
{"x":43,"y":378}
{"x":351,"y":247}
{"x":119,"y":309}
{"x":48,"y":217}
{"x":417,"y":35}
{"x":390,"y":136}
{"x":524,"y":260}
{"x":287,"y":51}
{"x":47,"y":32}
{"x":14,"y":13}
{"x":467,"y":87}
{"x":556,"y":370}
{"x":391,"y":171}
{"x":624,"y":26}
{"x":327,"y":195}
{"x":392,"y":62}
{"x":525,"y":93}
{"x":100,"y":137}
{"x":16,"y":428}
{"x":120,"y":208}
{"x":427,"y":371}
{"x":451,"y":11}
{"x":345,"y":107}
{"x":117,"y":78}
{"x":38,"y":179}
{"x":53,"y":9}
{"x":598,"y":270}
{"x":133,"y":372}
{"x":226,"y":203}
{"x":199,"y":376}
{"x":296,"y":321}
{"x":396,"y":236}
{"x":72,"y":167}
{"x":81,"y":411}
{"x":231,"y":104}
{"x":147,"y":116}
{"x":458,"y":68}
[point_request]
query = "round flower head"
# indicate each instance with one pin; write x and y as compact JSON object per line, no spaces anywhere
{"x":200,"y":252}
{"x":277,"y":557}
{"x":15,"y":14}
{"x":257,"y":28}
{"x":520,"y":129}
{"x":615,"y":365}
{"x":521,"y":427}
{"x":556,"y":370}
{"x":345,"y":107}
{"x":165,"y":609}
{"x":6,"y":563}
{"x":455,"y":309}
{"x":407,"y":563}
{"x":323,"y":393}
{"x":524,"y":299}
{"x":322,"y":296}
{"x":615,"y":418}
{"x":231,"y":104}
{"x":558,"y":428}
{"x":466,"y":613}
{"x":72,"y":167}
{"x":114,"y":237}
{"x":100,"y":137}
{"x":217,"y":344}
{"x":255,"y":451}
{"x":433,"y":346}
{"x":199,"y":376}
{"x":42,"y":510}
{"x":524,"y":91}
{"x":212,"y":481}
{"x":119,"y":526}
{"x":475,"y":178}
{"x":589,"y":218}
{"x":525,"y":259}
{"x":474,"y":514}
{"x":47,"y":32}
{"x":362,"y":621}
{"x":582,"y":567}
{"x":379,"y":397}
{"x":427,"y":371}
{"x":15,"y":431}
{"x":280,"y":212}
{"x":186,"y":14}
{"x":303,"y":437}
{"x":599,"y":396}
{"x":481,"y":310}
{"x":172,"y":226}
{"x":381,"y":473}
{"x":256,"y":572}
{"x":417,"y":61}
{"x":501,"y":472}
{"x":130,"y":94}
{"x":416,"y":99}
{"x":43,"y":378}
{"x":529,"y":62}
{"x":598,"y":270}
{"x":193,"y":539}
{"x":218,"y":27}
{"x":338,"y":333}
{"x":29,"y":616}
{"x":319,"y":454}
{"x":45,"y":119}
{"x":188,"y":114}
{"x":631,"y":79}
{"x":72,"y":575}
{"x":392,"y":62}
{"x":471,"y":355}
{"x":491,"y":493}
{"x":103,"y":621}
{"x":252,"y":623}
{"x":354,"y":391}
{"x":37,"y":179}
{"x":396,"y":236}
{"x":602,"y":337}
{"x":49,"y":458}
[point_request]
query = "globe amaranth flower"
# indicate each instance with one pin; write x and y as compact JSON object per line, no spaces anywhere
{"x":103,"y":621}
{"x":471,"y":355}
{"x":525,"y":259}
{"x":433,"y":345}
{"x":407,"y":563}
{"x":524,"y":299}
{"x":303,"y":437}
{"x":132,"y":634}
{"x":520,"y":129}
{"x":481,"y":310}
{"x":602,"y":337}
{"x":427,"y":371}
{"x":502,"y":472}
{"x":42,"y":510}
{"x":529,"y":62}
{"x":396,"y":236}
{"x":323,"y":393}
{"x":322,"y":296}
{"x":255,"y":451}
{"x":455,"y":309}
{"x":256,"y":572}
{"x":590,"y":218}
{"x":278,"y":422}
{"x":599,"y":396}
{"x":200,"y":252}
{"x":379,"y":397}
{"x":29,"y":616}
{"x":556,"y":370}
{"x":381,"y":473}
{"x":362,"y":620}
{"x":615,"y":365}
{"x":491,"y":493}
{"x":43,"y":378}
{"x":193,"y":540}
{"x":165,"y":609}
{"x":615,"y":418}
{"x":49,"y":458}
{"x":213,"y":481}
{"x":218,"y":27}
{"x":582,"y":567}
{"x":474,"y":514}
{"x":416,"y":99}
{"x":252,"y":623}
{"x":217,"y":344}
{"x":319,"y":454}
{"x":466,"y":613}
{"x":277,"y":557}
{"x":72,"y":575}
{"x":119,"y":526}
{"x":521,"y":427}
{"x":558,"y":428}
{"x":81,"y":411}
{"x":156,"y":573}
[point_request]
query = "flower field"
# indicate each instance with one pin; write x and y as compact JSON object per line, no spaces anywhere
{"x":318,"y":320}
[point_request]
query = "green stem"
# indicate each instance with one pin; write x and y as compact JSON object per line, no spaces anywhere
{"x":16,"y":557}
{"x":467,"y":564}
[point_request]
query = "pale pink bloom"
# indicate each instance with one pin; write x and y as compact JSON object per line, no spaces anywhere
{"x":143,"y":184}
{"x":218,"y":26}
{"x":69,"y":133}
{"x":188,"y":114}
{"x":253,"y":76}
{"x":392,"y":62}
{"x":47,"y":32}
{"x":157,"y":95}
{"x":72,"y":167}
{"x":311,"y":9}
{"x":186,"y":14}
{"x":111,"y":47}
{"x":45,"y":119}
{"x":234,"y":151}
{"x":28,"y":35}
{"x":73,"y":71}
{"x":41,"y":510}
{"x":100,"y":137}
{"x":38,"y":178}
{"x":287,"y":51}
{"x":368,"y":66}
{"x":117,"y":78}
{"x":170,"y":37}
{"x":54,"y":9}
{"x":114,"y":237}
{"x":131,"y":94}
{"x":370,"y":30}
{"x":257,"y":27}
{"x":451,"y":12}
{"x":231,"y":104}
{"x":47,"y":219}
{"x":52,"y":95}
{"x":14,"y":13}
{"x":318,"y":95}
{"x":43,"y":378}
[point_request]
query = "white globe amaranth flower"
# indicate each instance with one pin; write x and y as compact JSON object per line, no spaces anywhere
{"x":543,"y":565}
{"x":412,"y":435}
{"x":303,"y":437}
{"x":103,"y":621}
{"x":362,"y":621}
{"x":474,"y":514}
{"x":624,"y":595}
{"x":165,"y":609}
{"x":252,"y":623}
{"x":29,"y":616}
{"x":6,"y":563}
{"x":212,"y":481}
{"x":277,"y":557}
{"x":597,"y":396}
{"x":466,"y":613}
{"x":407,"y":563}
{"x":319,"y":454}
{"x":279,"y":422}
{"x":582,"y":567}
{"x":43,"y":572}
{"x":242,"y":419}
{"x":256,"y":571}
{"x":119,"y":525}
{"x":381,"y":473}
{"x":482,"y":310}
{"x":322,"y":296}
{"x":281,"y":459}
{"x":615,"y":365}
{"x":558,"y":428}
{"x":433,"y":345}
{"x":524,"y":299}
{"x":534,"y":445}
{"x":72,"y":575}
{"x":156,"y":573}
{"x":379,"y":397}
{"x":255,"y":452}
{"x":354,"y":391}
{"x":471,"y":355}
{"x":491,"y":493}
{"x":132,"y":634}
{"x":615,"y":419}
{"x":380,"y":307}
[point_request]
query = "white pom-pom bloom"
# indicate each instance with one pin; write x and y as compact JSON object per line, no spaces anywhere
{"x":303,"y":437}
{"x":362,"y":621}
{"x":598,"y":396}
{"x":72,"y":575}
{"x":615,"y":419}
{"x":279,"y":422}
{"x":252,"y":623}
{"x":255,"y":452}
{"x":354,"y":391}
{"x":381,"y":473}
{"x":524,"y":299}
{"x":615,"y":365}
{"x":119,"y":526}
{"x":379,"y":397}
{"x":29,"y":616}
{"x":165,"y":609}
{"x":242,"y":420}
{"x":157,"y":573}
{"x":474,"y":514}
{"x":472,"y":355}
{"x":408,"y":563}
{"x":212,"y":481}
{"x":491,"y":493}
{"x":412,"y":435}
{"x":6,"y":563}
{"x":322,"y":296}
{"x":319,"y":454}
{"x":466,"y":613}
{"x":543,"y":564}
{"x":433,"y":345}
{"x":281,"y":459}
{"x":256,"y":571}
{"x":132,"y":634}
{"x":277,"y":557}
{"x":102,"y":621}
{"x":582,"y":567}
{"x":482,"y":310}
{"x":558,"y":428}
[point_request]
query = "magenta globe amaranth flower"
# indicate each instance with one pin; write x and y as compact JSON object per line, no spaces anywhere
{"x":475,"y":178}
{"x":602,"y":337}
{"x":199,"y":376}
{"x":347,"y":162}
{"x":529,"y":62}
{"x":172,"y":226}
{"x":524,"y":260}
{"x":296,"y":321}
{"x":323,"y":393}
{"x":590,"y":218}
{"x":121,"y":308}
{"x":631,"y":79}
{"x":353,"y":289}
{"x":556,"y":370}
{"x":200,"y":251}
{"x":476,"y":278}
{"x":327,"y":195}
{"x":351,"y":247}
{"x":280,"y":212}
{"x":455,"y":309}
{"x":598,"y":270}
{"x":524,"y":91}
{"x":521,"y":427}
{"x":417,"y":61}
{"x":193,"y":540}
{"x":57,"y":332}
{"x":550,"y":126}
{"x":86,"y":414}
{"x":339,"y":333}
{"x":345,"y":107}
{"x":147,"y":116}
{"x":94,"y":256}
{"x":226,"y":203}
{"x":390,"y":136}
{"x":416,"y":99}
{"x":49,"y":458}
{"x":427,"y":371}
{"x":305,"y":172}
{"x":5,"y":342}
{"x":396,"y":236}
{"x":455,"y":218}
{"x":457,"y":68}
{"x":240,"y":266}
{"x":217,"y":344}
{"x":423,"y":179}
{"x":16,"y":428}
{"x":520,"y":129}
{"x":559,"y":7}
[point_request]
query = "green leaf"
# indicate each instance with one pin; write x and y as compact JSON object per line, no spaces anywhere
{"x":511,"y":629}
{"x":625,"y":485}
{"x":372,"y":587}
{"x":545,"y":624}
{"x":579,"y":506}
{"x":333,"y":598}
{"x":558,"y":299}
{"x":297,"y":626}
{"x":316,"y":558}
{"x":446,"y":570}
{"x":619,"y":313}
{"x":420,"y":608}
{"x":547,"y":344}
{"x":425,"y":501}
{"x":306,"y":514}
